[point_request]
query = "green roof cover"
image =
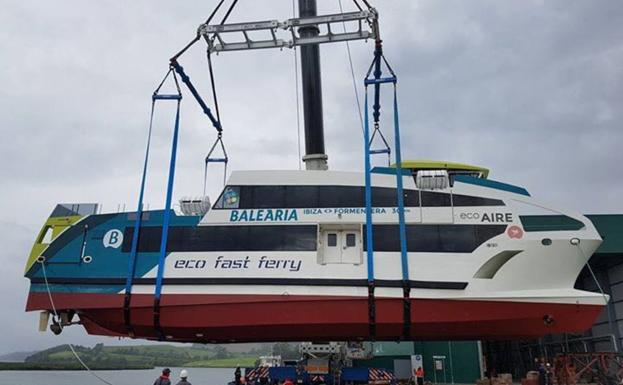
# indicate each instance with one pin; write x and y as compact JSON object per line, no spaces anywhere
{"x":422,"y":164}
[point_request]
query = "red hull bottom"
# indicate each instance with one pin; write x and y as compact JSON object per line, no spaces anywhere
{"x":256,"y":318}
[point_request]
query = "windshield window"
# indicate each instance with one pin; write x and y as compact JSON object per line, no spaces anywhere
{"x":230,"y":198}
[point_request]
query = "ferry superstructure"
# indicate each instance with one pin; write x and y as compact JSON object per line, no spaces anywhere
{"x":280,"y":256}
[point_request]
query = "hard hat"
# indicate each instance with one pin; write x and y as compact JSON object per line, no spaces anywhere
{"x":166,"y":370}
{"x":184,"y":373}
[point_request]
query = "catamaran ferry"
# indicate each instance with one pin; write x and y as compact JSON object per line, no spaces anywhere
{"x":281,"y":256}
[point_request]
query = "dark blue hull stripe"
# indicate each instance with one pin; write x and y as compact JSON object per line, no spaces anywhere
{"x":442,"y":285}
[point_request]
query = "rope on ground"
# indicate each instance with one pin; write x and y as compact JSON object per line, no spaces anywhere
{"x":352,"y":70}
{"x":84,"y":365}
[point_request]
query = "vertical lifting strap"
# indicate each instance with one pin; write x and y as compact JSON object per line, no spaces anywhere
{"x":139,"y":210}
{"x":167,"y":212}
{"x":369,"y":232}
{"x":401,"y":220}
{"x":377,"y":81}
{"x":135,"y":234}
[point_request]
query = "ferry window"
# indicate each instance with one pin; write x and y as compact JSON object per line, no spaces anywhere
{"x":301,"y":196}
{"x":268,"y":197}
{"x":226,"y":238}
{"x":435,"y":238}
{"x":484,"y":233}
{"x":332,"y":239}
{"x":466,"y":200}
{"x":351,"y":240}
{"x":250,"y":197}
{"x":456,"y":239}
{"x":422,"y":238}
{"x":340,"y":196}
{"x":387,"y":197}
{"x":298,"y":238}
{"x":229,"y":199}
{"x":383,"y":197}
{"x":412,"y":198}
{"x":432,"y":199}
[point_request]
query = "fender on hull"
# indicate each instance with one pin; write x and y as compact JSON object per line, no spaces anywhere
{"x":257,"y":318}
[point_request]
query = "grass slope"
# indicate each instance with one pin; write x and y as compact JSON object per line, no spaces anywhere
{"x":135,"y":357}
{"x":223,"y":363}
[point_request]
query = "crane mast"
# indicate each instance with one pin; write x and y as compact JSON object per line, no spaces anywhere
{"x":306,"y":33}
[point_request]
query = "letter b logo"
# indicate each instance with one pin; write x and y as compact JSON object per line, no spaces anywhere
{"x":113,"y":238}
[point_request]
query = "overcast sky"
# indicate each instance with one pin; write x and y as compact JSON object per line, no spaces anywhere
{"x":531,"y":89}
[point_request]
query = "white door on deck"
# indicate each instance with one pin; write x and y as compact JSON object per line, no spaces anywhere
{"x":341,"y":246}
{"x":351,"y":247}
{"x":332,"y":247}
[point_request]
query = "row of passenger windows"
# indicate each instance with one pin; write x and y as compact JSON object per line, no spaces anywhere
{"x":226,"y":238}
{"x":420,"y":238}
{"x":434,"y":238}
{"x":260,"y":197}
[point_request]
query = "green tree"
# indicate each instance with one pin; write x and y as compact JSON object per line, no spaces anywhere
{"x":285,"y":350}
{"x":98,"y":348}
{"x":220,"y":352}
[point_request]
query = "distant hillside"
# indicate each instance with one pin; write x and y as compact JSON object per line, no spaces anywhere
{"x":147,"y":356}
{"x":15,"y":356}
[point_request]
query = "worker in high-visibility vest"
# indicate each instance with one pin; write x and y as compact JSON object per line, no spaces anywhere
{"x":419,"y":376}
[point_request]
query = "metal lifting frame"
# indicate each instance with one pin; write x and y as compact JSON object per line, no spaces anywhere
{"x":377,"y":80}
{"x":365,"y":21}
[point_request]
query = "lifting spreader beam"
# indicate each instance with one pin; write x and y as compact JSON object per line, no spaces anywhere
{"x":364,"y":22}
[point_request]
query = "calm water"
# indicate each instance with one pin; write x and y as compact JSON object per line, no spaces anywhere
{"x":197,"y":376}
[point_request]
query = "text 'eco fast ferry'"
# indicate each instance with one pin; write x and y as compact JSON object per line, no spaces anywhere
{"x":281,"y":255}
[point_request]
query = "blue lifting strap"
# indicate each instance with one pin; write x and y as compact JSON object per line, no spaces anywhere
{"x":369,"y":232}
{"x":165,"y":224}
{"x":399,"y":193}
{"x":368,"y":194}
{"x":377,"y":81}
{"x":139,"y":211}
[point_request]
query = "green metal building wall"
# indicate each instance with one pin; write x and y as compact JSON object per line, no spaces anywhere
{"x":462,"y":358}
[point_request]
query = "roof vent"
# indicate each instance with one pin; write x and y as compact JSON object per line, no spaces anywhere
{"x":432,"y":179}
{"x":195,"y":206}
